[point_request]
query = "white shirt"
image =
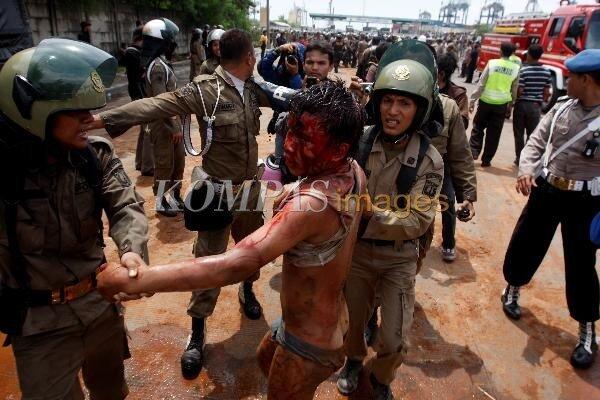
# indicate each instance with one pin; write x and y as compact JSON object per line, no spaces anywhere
{"x":239,"y":84}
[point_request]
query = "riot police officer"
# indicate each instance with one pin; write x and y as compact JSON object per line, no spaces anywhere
{"x":56,"y":183}
{"x":230,"y":153}
{"x":213,"y":52}
{"x":403,"y":169}
{"x":165,"y":134}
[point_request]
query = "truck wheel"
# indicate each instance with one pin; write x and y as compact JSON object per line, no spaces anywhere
{"x":554,"y":95}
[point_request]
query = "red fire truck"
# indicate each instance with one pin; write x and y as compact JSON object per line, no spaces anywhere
{"x":568,"y":30}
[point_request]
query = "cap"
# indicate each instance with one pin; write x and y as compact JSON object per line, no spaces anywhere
{"x":586,"y":61}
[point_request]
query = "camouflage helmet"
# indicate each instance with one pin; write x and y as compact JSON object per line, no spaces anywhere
{"x":410,"y":78}
{"x":57,"y":75}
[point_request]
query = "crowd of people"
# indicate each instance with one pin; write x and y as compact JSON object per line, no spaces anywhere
{"x":359,"y":169}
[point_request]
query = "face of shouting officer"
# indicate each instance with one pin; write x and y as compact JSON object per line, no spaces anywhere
{"x":397,"y":113}
{"x":66,"y":129}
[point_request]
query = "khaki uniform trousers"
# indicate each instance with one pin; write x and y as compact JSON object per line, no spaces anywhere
{"x":388,"y":273}
{"x":48,"y":363}
{"x":202,"y":303}
{"x":169,"y":158}
{"x":144,"y":154}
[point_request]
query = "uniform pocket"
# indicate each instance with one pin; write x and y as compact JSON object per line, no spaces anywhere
{"x":32,"y":218}
{"x":226,"y":127}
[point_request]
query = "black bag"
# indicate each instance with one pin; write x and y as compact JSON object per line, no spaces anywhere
{"x":206,"y":207}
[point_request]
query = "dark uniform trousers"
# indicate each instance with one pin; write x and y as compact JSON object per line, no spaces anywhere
{"x":487,"y":124}
{"x":546,"y":208}
{"x":48,"y":363}
{"x":526,"y":116}
{"x":448,"y":215}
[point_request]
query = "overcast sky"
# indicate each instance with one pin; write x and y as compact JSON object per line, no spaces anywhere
{"x":396,"y":8}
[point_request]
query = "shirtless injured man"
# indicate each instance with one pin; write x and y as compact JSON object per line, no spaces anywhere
{"x":314,"y":226}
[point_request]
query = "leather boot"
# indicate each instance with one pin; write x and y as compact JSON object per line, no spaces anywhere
{"x":250,"y":305}
{"x":380,"y":391}
{"x":193,"y":356}
{"x":510,"y":302}
{"x":585,"y":352}
{"x":347,"y":381}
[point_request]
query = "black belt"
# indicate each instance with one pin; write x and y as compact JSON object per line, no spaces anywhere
{"x":379,"y":242}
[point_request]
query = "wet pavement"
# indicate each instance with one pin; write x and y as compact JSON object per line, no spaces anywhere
{"x":462,"y":345}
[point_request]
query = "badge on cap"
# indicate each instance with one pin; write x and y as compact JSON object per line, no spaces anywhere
{"x":97,"y":82}
{"x":402,"y":73}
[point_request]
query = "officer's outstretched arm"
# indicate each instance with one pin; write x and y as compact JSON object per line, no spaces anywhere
{"x":281,"y":233}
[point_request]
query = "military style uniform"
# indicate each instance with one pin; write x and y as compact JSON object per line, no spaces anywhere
{"x":51,"y":236}
{"x":385,"y":258}
{"x":233,"y":154}
{"x":60,"y":237}
{"x":197,"y":57}
{"x":460,"y":181}
{"x":169,"y":158}
{"x":209,"y":66}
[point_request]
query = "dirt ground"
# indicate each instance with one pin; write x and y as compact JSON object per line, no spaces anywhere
{"x":462,"y":345}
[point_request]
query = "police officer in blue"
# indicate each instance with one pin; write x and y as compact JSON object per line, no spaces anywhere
{"x":559,"y":170}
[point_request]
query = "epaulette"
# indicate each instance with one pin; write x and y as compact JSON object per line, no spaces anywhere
{"x":204,"y":78}
{"x":563,"y":98}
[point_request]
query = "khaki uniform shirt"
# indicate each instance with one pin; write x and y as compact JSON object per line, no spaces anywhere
{"x":570,"y":164}
{"x":453,"y":146}
{"x":401,"y":225}
{"x":209,"y":66}
{"x":197,"y":57}
{"x":233,"y":154}
{"x":162,"y":80}
{"x":60,"y":238}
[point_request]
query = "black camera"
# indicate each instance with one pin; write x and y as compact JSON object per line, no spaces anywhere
{"x":291,"y":59}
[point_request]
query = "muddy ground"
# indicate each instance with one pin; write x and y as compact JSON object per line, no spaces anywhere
{"x":463,"y":347}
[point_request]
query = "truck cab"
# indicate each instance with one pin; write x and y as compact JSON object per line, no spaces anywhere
{"x":568,"y":30}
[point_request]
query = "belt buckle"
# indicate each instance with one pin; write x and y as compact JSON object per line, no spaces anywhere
{"x":560,"y":182}
{"x":58,"y":296}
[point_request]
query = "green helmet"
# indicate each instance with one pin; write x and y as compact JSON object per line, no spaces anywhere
{"x":57,"y":75}
{"x":410,"y":78}
{"x":420,"y":81}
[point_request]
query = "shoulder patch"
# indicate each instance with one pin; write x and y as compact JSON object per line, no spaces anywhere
{"x":186,"y":90}
{"x":116,"y":170}
{"x":204,"y":77}
{"x":432,"y":182}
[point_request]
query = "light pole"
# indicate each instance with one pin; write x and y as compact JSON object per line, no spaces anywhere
{"x":268,"y":11}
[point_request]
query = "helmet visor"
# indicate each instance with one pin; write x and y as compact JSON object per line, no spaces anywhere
{"x":59,"y":67}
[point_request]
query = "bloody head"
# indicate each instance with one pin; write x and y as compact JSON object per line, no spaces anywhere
{"x":324,"y":126}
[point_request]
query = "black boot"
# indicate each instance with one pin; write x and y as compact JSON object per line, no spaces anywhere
{"x":371,"y":329}
{"x":380,"y":391}
{"x":510,"y":302}
{"x":165,"y":209}
{"x":347,"y":381}
{"x":585,"y":352}
{"x":193,"y":356}
{"x":250,"y":305}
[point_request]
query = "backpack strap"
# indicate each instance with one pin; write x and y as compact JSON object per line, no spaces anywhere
{"x":365,"y":144}
{"x":407,"y":176}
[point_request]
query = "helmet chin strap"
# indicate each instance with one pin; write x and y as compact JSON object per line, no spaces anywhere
{"x":396,"y":139}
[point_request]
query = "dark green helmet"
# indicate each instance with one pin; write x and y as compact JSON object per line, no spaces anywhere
{"x":408,"y":67}
{"x":57,"y":75}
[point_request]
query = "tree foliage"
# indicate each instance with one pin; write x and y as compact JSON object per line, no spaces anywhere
{"x":229,"y":13}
